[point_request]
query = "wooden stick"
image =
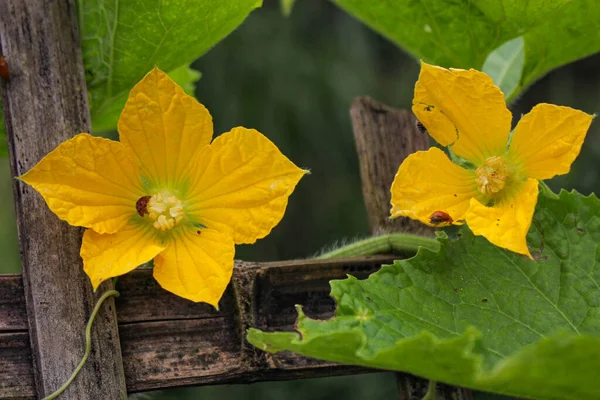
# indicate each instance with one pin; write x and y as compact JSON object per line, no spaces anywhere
{"x":168,"y":341}
{"x":384,"y":138}
{"x":45,"y":103}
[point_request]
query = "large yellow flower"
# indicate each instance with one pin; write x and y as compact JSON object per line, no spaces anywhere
{"x":164,"y":192}
{"x":497,"y":196}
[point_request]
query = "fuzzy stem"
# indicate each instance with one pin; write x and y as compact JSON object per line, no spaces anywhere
{"x":431,"y":391}
{"x":389,"y":243}
{"x":88,"y":344}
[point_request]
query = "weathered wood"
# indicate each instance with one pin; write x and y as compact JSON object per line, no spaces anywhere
{"x":168,"y":341}
{"x":45,"y":103}
{"x":384,"y":137}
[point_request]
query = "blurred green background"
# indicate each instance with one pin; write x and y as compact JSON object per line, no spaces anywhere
{"x":294,"y":79}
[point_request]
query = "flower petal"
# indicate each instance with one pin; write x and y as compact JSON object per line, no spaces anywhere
{"x":88,"y":181}
{"x":107,"y":256}
{"x":506,"y":224}
{"x":241,"y":184}
{"x":196,"y":266}
{"x":548,"y":139}
{"x":428,"y":181}
{"x":462,"y":109}
{"x":163,"y":127}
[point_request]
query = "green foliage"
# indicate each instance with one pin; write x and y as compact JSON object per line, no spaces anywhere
{"x":122,"y":41}
{"x":462,"y":34}
{"x":186,"y":77}
{"x":505,"y":64}
{"x":475,"y":315}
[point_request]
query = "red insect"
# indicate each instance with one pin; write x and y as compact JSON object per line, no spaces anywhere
{"x":142,"y":205}
{"x":440,"y":218}
{"x":4,"y":69}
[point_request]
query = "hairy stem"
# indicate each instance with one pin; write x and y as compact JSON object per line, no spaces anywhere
{"x":389,"y":243}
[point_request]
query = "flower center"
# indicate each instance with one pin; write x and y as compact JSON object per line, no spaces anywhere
{"x":491,"y":176}
{"x":165,"y":210}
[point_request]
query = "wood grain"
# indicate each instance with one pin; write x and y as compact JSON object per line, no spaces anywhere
{"x":168,"y":341}
{"x":45,"y":103}
{"x":384,"y":137}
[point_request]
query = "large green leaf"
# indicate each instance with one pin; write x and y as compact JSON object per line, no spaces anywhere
{"x":475,"y":315}
{"x":124,"y":40}
{"x":463,"y":33}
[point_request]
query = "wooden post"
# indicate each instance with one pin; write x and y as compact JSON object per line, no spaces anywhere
{"x":384,"y":138}
{"x":45,"y":103}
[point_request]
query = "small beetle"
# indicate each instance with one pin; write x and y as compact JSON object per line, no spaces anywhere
{"x":420,"y":127}
{"x":440,"y":218}
{"x":142,"y":205}
{"x":4,"y":73}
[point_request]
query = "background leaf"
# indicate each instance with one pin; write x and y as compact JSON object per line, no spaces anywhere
{"x":186,"y":77}
{"x":475,"y":315}
{"x":124,"y":40}
{"x":463,"y":34}
{"x":505,"y":64}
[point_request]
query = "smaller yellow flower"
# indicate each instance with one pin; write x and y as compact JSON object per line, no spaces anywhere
{"x":465,"y":111}
{"x":164,"y":192}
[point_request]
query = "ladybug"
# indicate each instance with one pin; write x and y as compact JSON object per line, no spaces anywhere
{"x":142,"y":205}
{"x":4,"y":73}
{"x":440,"y":218}
{"x":420,"y":127}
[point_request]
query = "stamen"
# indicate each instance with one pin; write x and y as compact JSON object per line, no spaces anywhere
{"x":165,"y":210}
{"x":491,"y":176}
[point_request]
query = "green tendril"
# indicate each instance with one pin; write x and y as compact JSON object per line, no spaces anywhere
{"x":431,"y":391}
{"x":389,"y":243}
{"x":88,"y":344}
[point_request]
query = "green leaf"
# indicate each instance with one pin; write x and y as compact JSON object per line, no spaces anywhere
{"x":123,"y":40}
{"x":505,"y":64}
{"x":186,"y":77}
{"x":474,"y":315}
{"x":461,"y":34}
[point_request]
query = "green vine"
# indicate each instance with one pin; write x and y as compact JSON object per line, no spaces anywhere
{"x":88,"y":344}
{"x":389,"y":243}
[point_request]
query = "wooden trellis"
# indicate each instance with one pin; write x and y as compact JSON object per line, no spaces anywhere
{"x":150,"y":339}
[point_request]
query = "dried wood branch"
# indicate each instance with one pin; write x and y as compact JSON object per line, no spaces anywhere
{"x":384,"y":137}
{"x":168,"y":341}
{"x":45,"y":103}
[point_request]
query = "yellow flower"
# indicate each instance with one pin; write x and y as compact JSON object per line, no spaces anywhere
{"x":164,"y":192}
{"x":497,"y":196}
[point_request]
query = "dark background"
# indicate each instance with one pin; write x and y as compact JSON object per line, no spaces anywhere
{"x":294,"y":79}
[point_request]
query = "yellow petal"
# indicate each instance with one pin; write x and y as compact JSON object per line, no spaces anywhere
{"x":110,"y":255}
{"x":89,"y":181}
{"x":196,"y":266}
{"x":506,"y":224}
{"x":462,"y":109}
{"x":163,"y":127}
{"x":548,"y":139}
{"x":241,"y":185}
{"x":428,"y":181}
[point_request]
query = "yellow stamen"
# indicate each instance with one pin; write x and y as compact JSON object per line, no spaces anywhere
{"x":491,"y":176}
{"x":165,"y":210}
